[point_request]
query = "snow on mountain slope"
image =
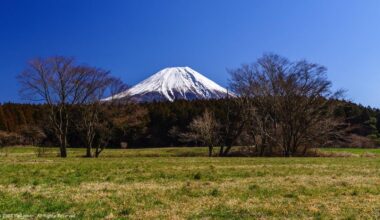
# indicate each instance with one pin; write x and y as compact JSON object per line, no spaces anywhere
{"x":175,"y":83}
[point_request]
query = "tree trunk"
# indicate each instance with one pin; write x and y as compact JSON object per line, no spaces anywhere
{"x":227,"y":151}
{"x":63,"y":130}
{"x":210,"y":148}
{"x":63,"y":151}
{"x":304,"y":151}
{"x":63,"y":146}
{"x":221,"y":151}
{"x":98,"y":151}
{"x":89,"y":151}
{"x":89,"y":146}
{"x":263,"y":146}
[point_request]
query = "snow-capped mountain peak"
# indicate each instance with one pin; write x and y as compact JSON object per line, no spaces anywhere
{"x":175,"y":83}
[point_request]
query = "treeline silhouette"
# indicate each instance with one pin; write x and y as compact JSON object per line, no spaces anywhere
{"x":157,"y":124}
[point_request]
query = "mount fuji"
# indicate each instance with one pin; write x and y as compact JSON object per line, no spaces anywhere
{"x":172,"y":84}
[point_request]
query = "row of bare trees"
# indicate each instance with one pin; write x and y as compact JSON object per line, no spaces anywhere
{"x":68,"y":88}
{"x":280,"y":108}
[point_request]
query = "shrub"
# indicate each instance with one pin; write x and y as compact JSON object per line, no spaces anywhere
{"x":361,"y":141}
{"x":32,"y":135}
{"x":9,"y":139}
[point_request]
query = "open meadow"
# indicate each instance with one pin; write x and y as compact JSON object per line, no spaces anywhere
{"x":182,"y":183}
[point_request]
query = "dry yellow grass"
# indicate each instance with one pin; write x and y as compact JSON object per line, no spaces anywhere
{"x":191,"y":187}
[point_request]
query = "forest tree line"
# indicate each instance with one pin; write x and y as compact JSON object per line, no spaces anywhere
{"x":153,"y":124}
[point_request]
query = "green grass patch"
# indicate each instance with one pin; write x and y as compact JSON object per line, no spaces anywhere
{"x":357,"y":151}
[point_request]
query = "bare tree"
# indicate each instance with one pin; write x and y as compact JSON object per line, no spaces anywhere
{"x":205,"y":130}
{"x":233,"y":123}
{"x":61,"y":84}
{"x":94,"y":126}
{"x":293,"y":104}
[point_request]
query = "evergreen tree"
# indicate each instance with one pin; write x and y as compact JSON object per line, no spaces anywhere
{"x":3,"y":125}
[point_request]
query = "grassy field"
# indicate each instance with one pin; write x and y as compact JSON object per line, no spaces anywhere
{"x":163,"y":183}
{"x":354,"y":151}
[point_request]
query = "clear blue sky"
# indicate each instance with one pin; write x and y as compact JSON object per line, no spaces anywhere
{"x":134,"y":39}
